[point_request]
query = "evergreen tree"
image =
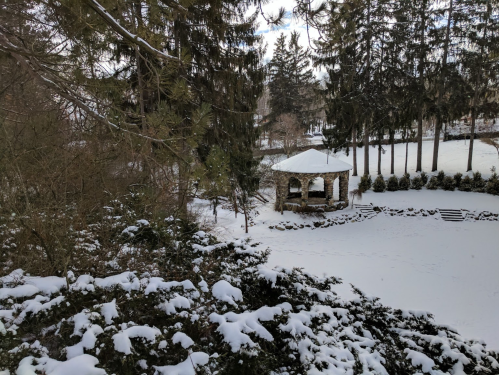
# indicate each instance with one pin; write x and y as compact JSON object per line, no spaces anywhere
{"x":292,"y":84}
{"x":180,"y":78}
{"x":304,"y":86}
{"x":280,"y":83}
{"x":480,"y":21}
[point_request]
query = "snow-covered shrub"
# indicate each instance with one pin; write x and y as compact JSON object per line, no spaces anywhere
{"x":478,"y":183}
{"x":492,"y":186}
{"x":424,"y":177}
{"x":379,"y":185}
{"x":448,"y":183}
{"x":392,"y":184}
{"x":458,"y":178}
{"x":213,"y":307}
{"x":417,"y":183}
{"x":440,"y":178}
{"x":466,"y":184}
{"x":432,"y":184}
{"x":365,"y":183}
{"x":404,"y":182}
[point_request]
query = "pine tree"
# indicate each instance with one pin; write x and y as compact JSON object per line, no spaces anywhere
{"x":442,"y":77}
{"x":181,"y":79}
{"x":292,"y":84}
{"x":280,"y":82}
{"x":304,"y":86}
{"x":480,"y":20}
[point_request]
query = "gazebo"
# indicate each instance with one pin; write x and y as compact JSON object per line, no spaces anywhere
{"x":305,"y":167}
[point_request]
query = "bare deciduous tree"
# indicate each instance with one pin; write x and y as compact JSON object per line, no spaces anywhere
{"x":287,"y":131}
{"x":491,"y":142}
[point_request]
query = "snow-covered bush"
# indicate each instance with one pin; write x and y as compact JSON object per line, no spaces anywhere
{"x":466,"y":184}
{"x":365,"y":183}
{"x":457,"y":179}
{"x":392,"y":184}
{"x":417,"y":183}
{"x":379,"y":185}
{"x":440,"y":178}
{"x":492,"y":186}
{"x":432,"y":184}
{"x":424,"y":178}
{"x":478,"y":183}
{"x":448,"y":183}
{"x":122,"y":234}
{"x":404,"y":182}
{"x":216,"y":308}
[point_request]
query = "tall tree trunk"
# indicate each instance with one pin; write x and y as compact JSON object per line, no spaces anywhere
{"x":245,"y":211}
{"x":366,"y":148}
{"x":368,"y":84}
{"x":438,"y":125}
{"x":354,"y":150}
{"x":379,"y":153}
{"x":421,"y":87}
{"x":406,"y":150}
{"x":472,"y":131}
{"x":475,"y":99}
{"x":235,"y":203}
{"x":392,"y":146}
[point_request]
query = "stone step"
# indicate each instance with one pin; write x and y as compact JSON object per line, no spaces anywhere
{"x":448,"y":214}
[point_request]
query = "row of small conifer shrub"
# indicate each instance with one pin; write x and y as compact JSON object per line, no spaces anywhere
{"x":439,"y":181}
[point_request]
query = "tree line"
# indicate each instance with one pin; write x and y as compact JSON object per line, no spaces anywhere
{"x":391,"y":64}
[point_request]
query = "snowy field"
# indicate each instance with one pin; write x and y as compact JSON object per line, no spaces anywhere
{"x":448,"y":269}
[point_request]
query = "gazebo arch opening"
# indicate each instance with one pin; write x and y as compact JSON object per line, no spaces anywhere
{"x":317,"y":188}
{"x":336,"y":189}
{"x":295,"y":188}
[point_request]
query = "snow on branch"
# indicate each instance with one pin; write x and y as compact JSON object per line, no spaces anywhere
{"x":38,"y":71}
{"x":135,"y":39}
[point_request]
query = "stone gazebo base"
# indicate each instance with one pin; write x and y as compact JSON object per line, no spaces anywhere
{"x":314,"y":205}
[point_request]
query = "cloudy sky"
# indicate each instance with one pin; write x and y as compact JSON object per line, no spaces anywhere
{"x":290,"y":24}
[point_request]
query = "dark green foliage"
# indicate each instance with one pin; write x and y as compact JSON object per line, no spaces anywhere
{"x":478,"y":183}
{"x":379,"y":185}
{"x":392,"y":184}
{"x":404,"y":183}
{"x":424,"y":178}
{"x":365,"y":183}
{"x":292,"y":83}
{"x":457,"y":179}
{"x":433,"y":183}
{"x":492,"y":186}
{"x":466,"y":184}
{"x":448,"y":183}
{"x":417,"y":183}
{"x":440,"y":178}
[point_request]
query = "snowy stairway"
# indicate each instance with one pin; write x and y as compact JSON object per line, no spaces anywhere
{"x":366,"y":210}
{"x":451,"y":215}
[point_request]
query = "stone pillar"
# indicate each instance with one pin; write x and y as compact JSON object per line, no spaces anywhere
{"x":329,"y":190}
{"x":281,"y":195}
{"x":344,"y":176}
{"x":304,"y":191}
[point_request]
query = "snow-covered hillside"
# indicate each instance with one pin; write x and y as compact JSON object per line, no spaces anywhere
{"x":418,"y":263}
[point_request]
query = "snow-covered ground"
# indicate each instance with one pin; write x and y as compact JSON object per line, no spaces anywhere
{"x":420,"y":263}
{"x":316,"y":138}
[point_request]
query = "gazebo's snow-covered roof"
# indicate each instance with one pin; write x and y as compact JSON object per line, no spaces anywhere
{"x":311,"y":161}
